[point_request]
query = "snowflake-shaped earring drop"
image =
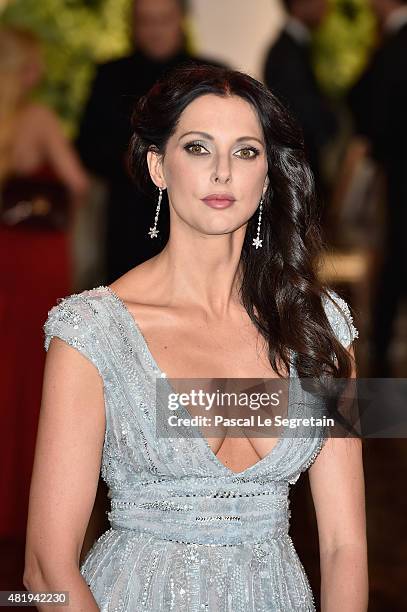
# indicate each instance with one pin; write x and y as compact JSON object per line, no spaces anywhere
{"x":256,"y":241}
{"x":153,"y":233}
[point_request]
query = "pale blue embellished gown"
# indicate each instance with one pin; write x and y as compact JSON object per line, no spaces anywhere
{"x":186,"y":533}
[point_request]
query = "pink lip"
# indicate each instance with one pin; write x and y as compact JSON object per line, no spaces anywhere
{"x":219,"y":200}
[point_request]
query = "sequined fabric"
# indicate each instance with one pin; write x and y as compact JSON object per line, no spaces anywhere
{"x":186,"y":533}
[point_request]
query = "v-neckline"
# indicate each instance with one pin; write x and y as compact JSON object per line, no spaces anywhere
{"x":161,"y":374}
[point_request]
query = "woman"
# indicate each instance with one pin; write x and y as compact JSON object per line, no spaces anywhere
{"x":199,"y":523}
{"x":35,"y":265}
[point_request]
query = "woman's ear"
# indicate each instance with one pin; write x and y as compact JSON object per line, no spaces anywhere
{"x":266,"y":185}
{"x":155,"y":167}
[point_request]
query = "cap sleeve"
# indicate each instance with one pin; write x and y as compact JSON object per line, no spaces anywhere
{"x":73,"y":320}
{"x":340,"y":318}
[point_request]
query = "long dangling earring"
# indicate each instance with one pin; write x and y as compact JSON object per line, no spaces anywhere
{"x":256,"y":241}
{"x":153,"y":233}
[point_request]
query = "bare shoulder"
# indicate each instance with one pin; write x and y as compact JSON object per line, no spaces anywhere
{"x":38,"y":112}
{"x":137,"y":285}
{"x":40,"y":120}
{"x":147,"y":292}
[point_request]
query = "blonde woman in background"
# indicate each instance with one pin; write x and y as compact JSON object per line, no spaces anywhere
{"x":35,"y":263}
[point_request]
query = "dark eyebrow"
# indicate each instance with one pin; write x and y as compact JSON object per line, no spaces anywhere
{"x":209,"y":137}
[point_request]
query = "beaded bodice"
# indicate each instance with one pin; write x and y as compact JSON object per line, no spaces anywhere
{"x":177,"y":487}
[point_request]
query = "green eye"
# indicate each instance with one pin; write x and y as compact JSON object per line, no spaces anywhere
{"x":195,"y":148}
{"x":249,"y":153}
{"x":198,"y":149}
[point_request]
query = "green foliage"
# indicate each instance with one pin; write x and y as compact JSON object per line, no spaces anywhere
{"x":76,"y":34}
{"x":343,"y":43}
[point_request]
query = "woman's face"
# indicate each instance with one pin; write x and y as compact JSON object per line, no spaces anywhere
{"x":218,"y":149}
{"x":157,"y":27}
{"x":33,"y":70}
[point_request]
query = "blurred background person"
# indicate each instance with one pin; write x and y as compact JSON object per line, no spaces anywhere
{"x":33,"y":152}
{"x":378,"y":102}
{"x":157,"y":31}
{"x":289,"y":74}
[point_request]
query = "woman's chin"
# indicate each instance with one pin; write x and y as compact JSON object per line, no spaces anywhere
{"x":220,"y":230}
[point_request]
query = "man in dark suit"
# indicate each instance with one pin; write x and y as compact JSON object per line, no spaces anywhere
{"x":378,"y":102}
{"x":288,"y":73}
{"x":105,"y":129}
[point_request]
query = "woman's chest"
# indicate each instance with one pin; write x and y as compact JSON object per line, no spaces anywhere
{"x":237,"y":356}
{"x":27,"y":152}
{"x":221,"y":351}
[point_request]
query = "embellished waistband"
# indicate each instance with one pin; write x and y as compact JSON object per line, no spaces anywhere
{"x":220,"y":521}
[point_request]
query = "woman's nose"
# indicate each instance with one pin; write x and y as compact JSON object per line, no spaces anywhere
{"x":222,"y":170}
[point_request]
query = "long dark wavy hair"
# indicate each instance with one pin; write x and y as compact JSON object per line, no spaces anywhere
{"x":280,"y":288}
